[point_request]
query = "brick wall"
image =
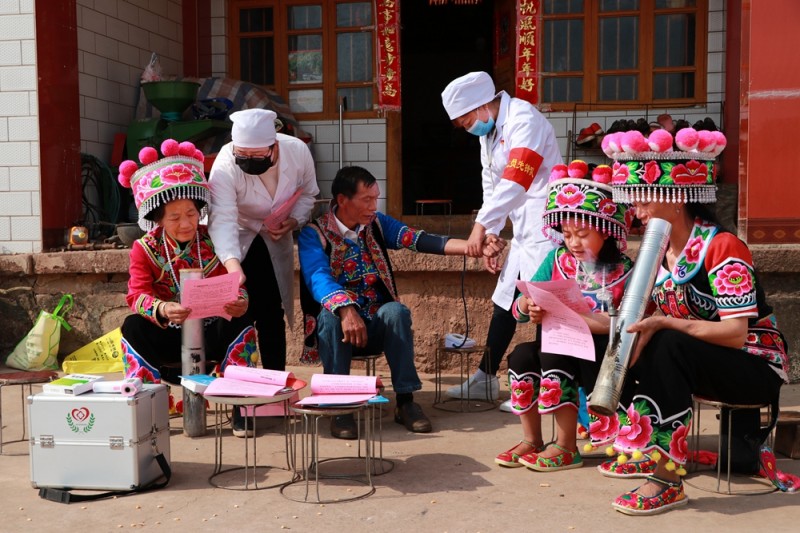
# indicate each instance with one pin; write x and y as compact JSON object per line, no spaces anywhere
{"x":20,"y":220}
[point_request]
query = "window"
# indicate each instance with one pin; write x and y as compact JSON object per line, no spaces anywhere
{"x":623,"y":51}
{"x":316,"y":54}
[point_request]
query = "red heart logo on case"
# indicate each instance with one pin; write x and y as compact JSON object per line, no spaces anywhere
{"x":80,"y":414}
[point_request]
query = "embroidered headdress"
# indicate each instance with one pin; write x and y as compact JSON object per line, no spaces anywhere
{"x":177,"y":175}
{"x":649,"y":170}
{"x":574,"y":197}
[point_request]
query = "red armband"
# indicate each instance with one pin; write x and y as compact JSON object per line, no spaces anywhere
{"x":523,"y":164}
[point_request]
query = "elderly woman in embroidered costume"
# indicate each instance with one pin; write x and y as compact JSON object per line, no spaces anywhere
{"x":591,"y":231}
{"x":713,"y":333}
{"x":171,"y":194}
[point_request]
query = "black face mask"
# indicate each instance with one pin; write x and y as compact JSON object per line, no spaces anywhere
{"x":253,"y":165}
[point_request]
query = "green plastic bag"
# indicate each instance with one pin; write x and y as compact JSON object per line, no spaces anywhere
{"x":38,"y":350}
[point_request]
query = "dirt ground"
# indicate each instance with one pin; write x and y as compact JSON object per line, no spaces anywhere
{"x":445,"y":481}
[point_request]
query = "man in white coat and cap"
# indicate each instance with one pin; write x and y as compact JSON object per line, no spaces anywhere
{"x":518,"y":149}
{"x":263,"y":186}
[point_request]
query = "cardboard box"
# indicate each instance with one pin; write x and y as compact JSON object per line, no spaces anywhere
{"x":98,"y":441}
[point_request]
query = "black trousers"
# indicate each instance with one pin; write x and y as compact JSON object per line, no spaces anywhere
{"x":162,"y":347}
{"x":501,"y":331}
{"x":265,"y":310}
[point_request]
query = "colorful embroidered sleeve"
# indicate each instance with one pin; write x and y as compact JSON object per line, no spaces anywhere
{"x":316,"y":268}
{"x":140,"y":297}
{"x":731,"y":276}
{"x":398,"y":235}
{"x":544,"y":273}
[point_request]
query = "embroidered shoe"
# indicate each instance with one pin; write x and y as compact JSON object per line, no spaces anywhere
{"x":670,"y":496}
{"x":510,"y":459}
{"x":565,"y":460}
{"x":631,"y":469}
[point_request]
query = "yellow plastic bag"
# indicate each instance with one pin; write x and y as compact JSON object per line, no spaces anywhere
{"x":39,"y":349}
{"x":101,"y":356}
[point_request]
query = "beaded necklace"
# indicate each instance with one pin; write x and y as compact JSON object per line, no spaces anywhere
{"x":169,"y":259}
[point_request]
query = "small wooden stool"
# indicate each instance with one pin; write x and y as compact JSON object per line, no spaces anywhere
{"x":22,"y":379}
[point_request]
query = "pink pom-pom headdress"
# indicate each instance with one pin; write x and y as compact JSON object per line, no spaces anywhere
{"x":584,"y":200}
{"x":175,"y":176}
{"x":649,"y":170}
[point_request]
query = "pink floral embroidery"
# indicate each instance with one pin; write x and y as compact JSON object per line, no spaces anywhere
{"x":678,"y":446}
{"x":693,"y":248}
{"x":568,"y":264}
{"x":603,"y":428}
{"x":570,"y":196}
{"x":629,"y":215}
{"x":621,"y":174}
{"x":607,"y":207}
{"x":590,"y":302}
{"x":521,"y":394}
{"x":636,"y":435}
{"x":652,"y":171}
{"x":733,"y":279}
{"x":693,"y":172}
{"x":179,"y":173}
{"x":549,"y":392}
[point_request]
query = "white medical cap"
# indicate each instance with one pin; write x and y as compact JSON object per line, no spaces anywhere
{"x":253,"y":128}
{"x":466,"y":93}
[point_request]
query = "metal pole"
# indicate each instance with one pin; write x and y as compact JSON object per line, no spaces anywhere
{"x":342,"y":107}
{"x":193,"y":361}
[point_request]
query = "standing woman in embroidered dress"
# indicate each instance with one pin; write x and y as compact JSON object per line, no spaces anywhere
{"x":713,"y":334}
{"x":170,"y":194}
{"x":591,"y":231}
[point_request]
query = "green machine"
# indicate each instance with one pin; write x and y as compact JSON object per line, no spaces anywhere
{"x":171,"y":98}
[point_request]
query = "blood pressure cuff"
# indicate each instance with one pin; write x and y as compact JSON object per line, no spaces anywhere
{"x":430,"y":243}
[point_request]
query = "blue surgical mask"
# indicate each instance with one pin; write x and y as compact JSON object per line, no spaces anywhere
{"x":481,"y":128}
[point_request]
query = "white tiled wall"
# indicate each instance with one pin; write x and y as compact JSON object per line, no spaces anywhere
{"x":20,"y":221}
{"x":364,"y":145}
{"x":115,"y":41}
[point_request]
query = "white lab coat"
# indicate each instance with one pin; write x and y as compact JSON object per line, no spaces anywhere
{"x":240,"y":202}
{"x":518,"y":124}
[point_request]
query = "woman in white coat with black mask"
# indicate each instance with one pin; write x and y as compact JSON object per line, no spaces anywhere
{"x":263,"y":186}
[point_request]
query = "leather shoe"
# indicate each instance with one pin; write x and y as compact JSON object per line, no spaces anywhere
{"x":411,"y":416}
{"x":344,"y":427}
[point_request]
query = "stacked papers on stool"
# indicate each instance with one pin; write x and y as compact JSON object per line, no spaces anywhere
{"x":246,"y":381}
{"x":329,"y":390}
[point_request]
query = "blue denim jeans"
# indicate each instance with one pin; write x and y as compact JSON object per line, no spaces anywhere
{"x":389,"y":331}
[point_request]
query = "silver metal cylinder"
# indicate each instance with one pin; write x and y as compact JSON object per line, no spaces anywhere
{"x":614,"y":368}
{"x":193,"y":361}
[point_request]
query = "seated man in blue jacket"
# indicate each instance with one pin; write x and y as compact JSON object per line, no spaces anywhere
{"x":345,"y":266}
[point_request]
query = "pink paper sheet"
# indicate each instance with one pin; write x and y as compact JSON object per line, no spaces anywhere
{"x":563,"y":329}
{"x":275,"y":219}
{"x":258,"y":375}
{"x":234,"y":387}
{"x":334,"y":389}
{"x":207,"y":297}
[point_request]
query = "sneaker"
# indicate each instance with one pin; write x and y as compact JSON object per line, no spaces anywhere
{"x":506,"y":407}
{"x":476,"y":390}
{"x":238,"y":424}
